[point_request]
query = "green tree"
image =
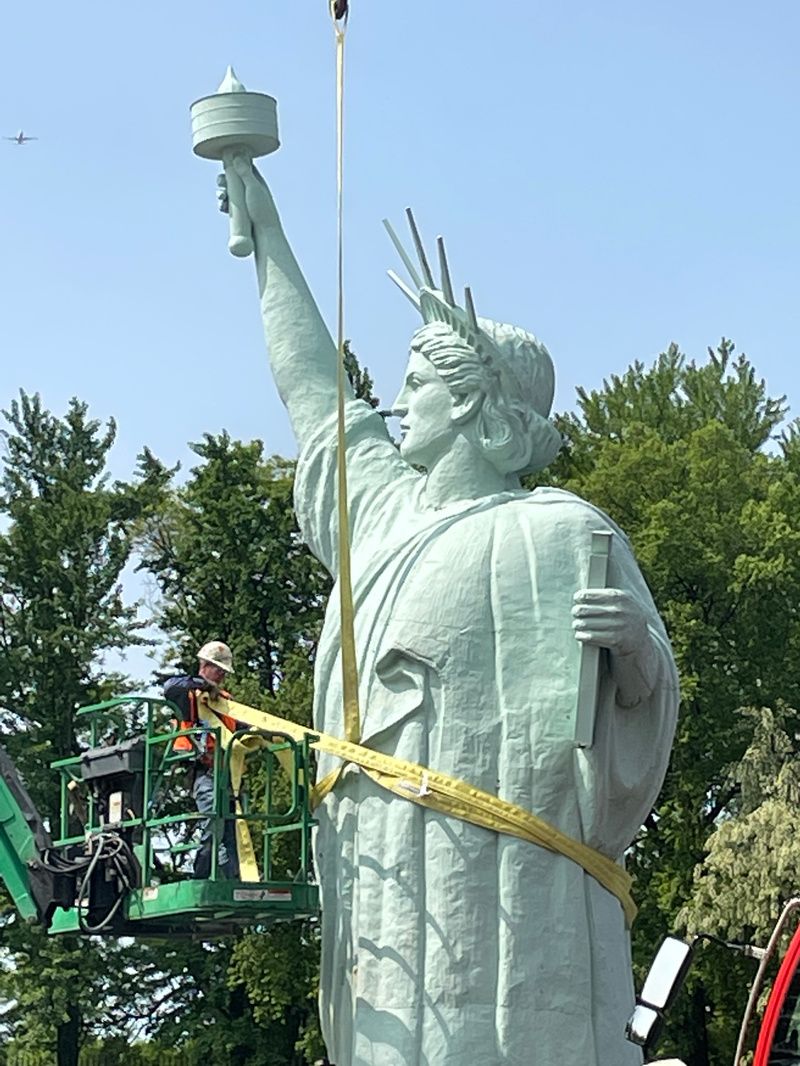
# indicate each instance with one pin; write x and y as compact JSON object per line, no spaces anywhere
{"x":68,"y":533}
{"x":681,"y":455}
{"x":753,"y":855}
{"x":360,"y":377}
{"x":229,"y":561}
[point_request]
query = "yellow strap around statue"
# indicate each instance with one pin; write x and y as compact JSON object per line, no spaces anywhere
{"x":439,"y":792}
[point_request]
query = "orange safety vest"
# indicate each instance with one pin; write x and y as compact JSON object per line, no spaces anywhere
{"x":206,"y":740}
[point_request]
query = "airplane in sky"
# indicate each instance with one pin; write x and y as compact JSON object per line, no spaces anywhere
{"x":20,"y":138}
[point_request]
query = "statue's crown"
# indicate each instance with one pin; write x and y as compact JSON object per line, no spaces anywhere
{"x":521,"y":365}
{"x":436,"y":303}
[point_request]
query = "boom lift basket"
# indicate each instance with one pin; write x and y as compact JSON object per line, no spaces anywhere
{"x":128,"y":802}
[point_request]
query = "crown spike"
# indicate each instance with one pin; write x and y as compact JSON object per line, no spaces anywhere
{"x":412,"y":271}
{"x":470,"y":306}
{"x":444,"y":270}
{"x":404,"y":289}
{"x":423,"y":261}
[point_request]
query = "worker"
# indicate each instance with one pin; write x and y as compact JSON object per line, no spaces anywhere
{"x":215,"y":662}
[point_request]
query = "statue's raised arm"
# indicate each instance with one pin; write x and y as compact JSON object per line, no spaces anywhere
{"x":302,"y":352}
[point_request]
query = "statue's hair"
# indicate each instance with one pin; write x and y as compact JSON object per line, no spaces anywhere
{"x":516,"y":379}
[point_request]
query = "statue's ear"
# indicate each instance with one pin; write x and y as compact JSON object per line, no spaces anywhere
{"x":465,"y":406}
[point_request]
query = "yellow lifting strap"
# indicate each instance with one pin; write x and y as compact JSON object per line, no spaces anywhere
{"x":248,"y":867}
{"x":352,"y":722}
{"x":439,"y":792}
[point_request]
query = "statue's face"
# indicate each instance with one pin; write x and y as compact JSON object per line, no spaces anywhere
{"x":424,"y":406}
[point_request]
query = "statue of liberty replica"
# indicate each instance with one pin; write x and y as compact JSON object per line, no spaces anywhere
{"x":446,"y":942}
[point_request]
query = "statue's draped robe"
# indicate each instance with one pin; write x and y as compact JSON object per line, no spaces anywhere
{"x":443,"y":943}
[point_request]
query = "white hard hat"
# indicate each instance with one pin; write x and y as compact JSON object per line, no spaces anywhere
{"x":217,"y":653}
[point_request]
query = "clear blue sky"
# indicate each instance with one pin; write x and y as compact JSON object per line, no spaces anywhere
{"x":611,"y":176}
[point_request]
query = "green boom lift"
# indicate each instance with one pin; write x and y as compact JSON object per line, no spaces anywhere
{"x":120,"y":863}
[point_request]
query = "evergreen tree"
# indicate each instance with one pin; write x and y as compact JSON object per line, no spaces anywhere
{"x":360,"y":377}
{"x":229,"y":561}
{"x":68,"y":534}
{"x":753,"y":856}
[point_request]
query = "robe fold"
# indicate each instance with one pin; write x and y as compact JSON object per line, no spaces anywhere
{"x":443,"y":943}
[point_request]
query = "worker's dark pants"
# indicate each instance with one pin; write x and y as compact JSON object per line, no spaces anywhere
{"x":227,"y":859}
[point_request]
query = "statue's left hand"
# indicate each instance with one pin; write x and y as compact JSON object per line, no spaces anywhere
{"x":609,"y":618}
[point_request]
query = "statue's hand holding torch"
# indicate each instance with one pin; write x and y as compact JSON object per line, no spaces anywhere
{"x":245,"y":196}
{"x":235,"y":126}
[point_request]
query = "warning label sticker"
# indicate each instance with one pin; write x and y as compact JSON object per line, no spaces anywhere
{"x":262,"y":895}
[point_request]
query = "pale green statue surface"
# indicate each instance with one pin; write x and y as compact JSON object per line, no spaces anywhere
{"x":443,"y":943}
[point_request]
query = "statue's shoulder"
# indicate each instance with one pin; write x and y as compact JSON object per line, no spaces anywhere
{"x":553,"y":508}
{"x":559,"y":500}
{"x":547,"y":494}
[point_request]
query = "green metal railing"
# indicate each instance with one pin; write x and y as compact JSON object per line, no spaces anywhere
{"x":276,"y":803}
